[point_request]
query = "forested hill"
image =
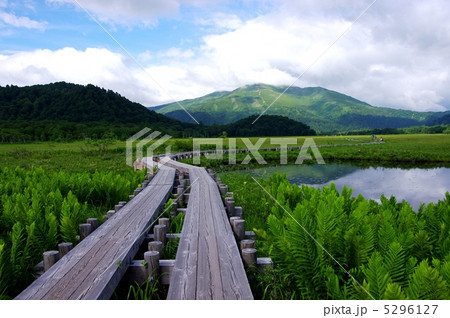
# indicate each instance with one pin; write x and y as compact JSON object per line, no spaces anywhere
{"x":322,"y":109}
{"x":266,"y":126}
{"x":64,"y":112}
{"x":72,"y":103}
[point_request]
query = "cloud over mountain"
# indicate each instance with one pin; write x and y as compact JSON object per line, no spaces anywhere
{"x":396,"y":55}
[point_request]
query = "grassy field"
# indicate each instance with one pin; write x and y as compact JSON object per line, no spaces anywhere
{"x":81,"y":161}
{"x":82,"y":156}
{"x":395,"y":150}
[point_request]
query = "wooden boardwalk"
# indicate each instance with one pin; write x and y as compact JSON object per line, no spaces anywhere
{"x":208,"y":264}
{"x":93,"y":269}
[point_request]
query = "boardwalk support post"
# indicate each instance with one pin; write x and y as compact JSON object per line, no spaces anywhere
{"x":229,"y":203}
{"x":85,"y":230}
{"x":232,"y":219}
{"x":159,"y":232}
{"x":93,"y":222}
{"x":164,"y":221}
{"x":152,"y":262}
{"x":174,"y":211}
{"x":223,"y":189}
{"x":137,"y":191}
{"x":247,"y":244}
{"x":64,"y":248}
{"x":249,"y":256}
{"x":50,"y":258}
{"x":155,"y":246}
{"x":239,"y":229}
{"x":120,"y":205}
{"x":180,"y":194}
{"x":238,"y":211}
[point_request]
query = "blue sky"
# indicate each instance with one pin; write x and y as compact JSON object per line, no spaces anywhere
{"x":395,"y":55}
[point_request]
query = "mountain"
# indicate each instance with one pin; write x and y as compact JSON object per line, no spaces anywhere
{"x":65,"y":111}
{"x":322,"y":109}
{"x":444,"y":120}
{"x":265,"y":126}
{"x":73,"y":103}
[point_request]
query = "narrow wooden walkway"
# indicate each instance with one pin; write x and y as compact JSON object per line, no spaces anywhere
{"x":95,"y":266}
{"x":208,"y":264}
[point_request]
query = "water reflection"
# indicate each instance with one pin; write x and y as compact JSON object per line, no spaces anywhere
{"x":416,"y":185}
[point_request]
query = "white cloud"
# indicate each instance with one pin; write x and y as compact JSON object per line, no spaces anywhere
{"x":96,"y":66}
{"x":11,"y":19}
{"x":176,"y":53}
{"x":221,"y":21}
{"x":395,"y":56}
{"x":132,"y":12}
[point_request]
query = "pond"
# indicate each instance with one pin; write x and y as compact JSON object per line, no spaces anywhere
{"x":415,"y":185}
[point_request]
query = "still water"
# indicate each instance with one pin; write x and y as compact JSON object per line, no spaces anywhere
{"x":416,"y":185}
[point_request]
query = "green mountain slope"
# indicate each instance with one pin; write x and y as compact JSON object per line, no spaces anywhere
{"x":321,"y":109}
{"x":73,"y":103}
{"x":265,"y":126}
{"x":64,"y":111}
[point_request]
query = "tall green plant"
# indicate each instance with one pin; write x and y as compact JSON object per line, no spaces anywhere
{"x":390,"y":251}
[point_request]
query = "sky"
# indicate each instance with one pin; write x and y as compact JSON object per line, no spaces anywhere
{"x":397,"y":54}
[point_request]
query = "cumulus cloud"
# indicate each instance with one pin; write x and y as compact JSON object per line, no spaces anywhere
{"x":395,"y":56}
{"x":221,"y":21}
{"x":11,"y":19}
{"x":100,"y":67}
{"x":131,"y":12}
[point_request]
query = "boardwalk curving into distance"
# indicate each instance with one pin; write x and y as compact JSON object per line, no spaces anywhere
{"x":208,"y":264}
{"x":93,"y":269}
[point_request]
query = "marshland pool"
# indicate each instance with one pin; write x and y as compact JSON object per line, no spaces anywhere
{"x":415,"y":185}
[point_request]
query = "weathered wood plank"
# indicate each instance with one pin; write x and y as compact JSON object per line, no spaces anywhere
{"x":183,"y":280}
{"x":234,"y":278}
{"x":208,"y":238}
{"x":91,"y":270}
{"x":209,"y":282}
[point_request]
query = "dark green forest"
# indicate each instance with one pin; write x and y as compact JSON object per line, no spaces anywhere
{"x":265,"y":126}
{"x":68,"y":112}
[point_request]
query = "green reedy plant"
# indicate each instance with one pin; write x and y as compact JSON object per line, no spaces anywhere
{"x":39,"y":209}
{"x":148,"y":290}
{"x":392,"y":251}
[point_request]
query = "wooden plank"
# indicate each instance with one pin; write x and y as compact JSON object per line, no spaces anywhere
{"x":234,"y":278}
{"x":219,"y":270}
{"x":183,"y":280}
{"x":90,"y":270}
{"x":209,"y":282}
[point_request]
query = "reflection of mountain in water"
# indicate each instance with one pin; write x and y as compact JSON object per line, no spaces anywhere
{"x":309,"y":174}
